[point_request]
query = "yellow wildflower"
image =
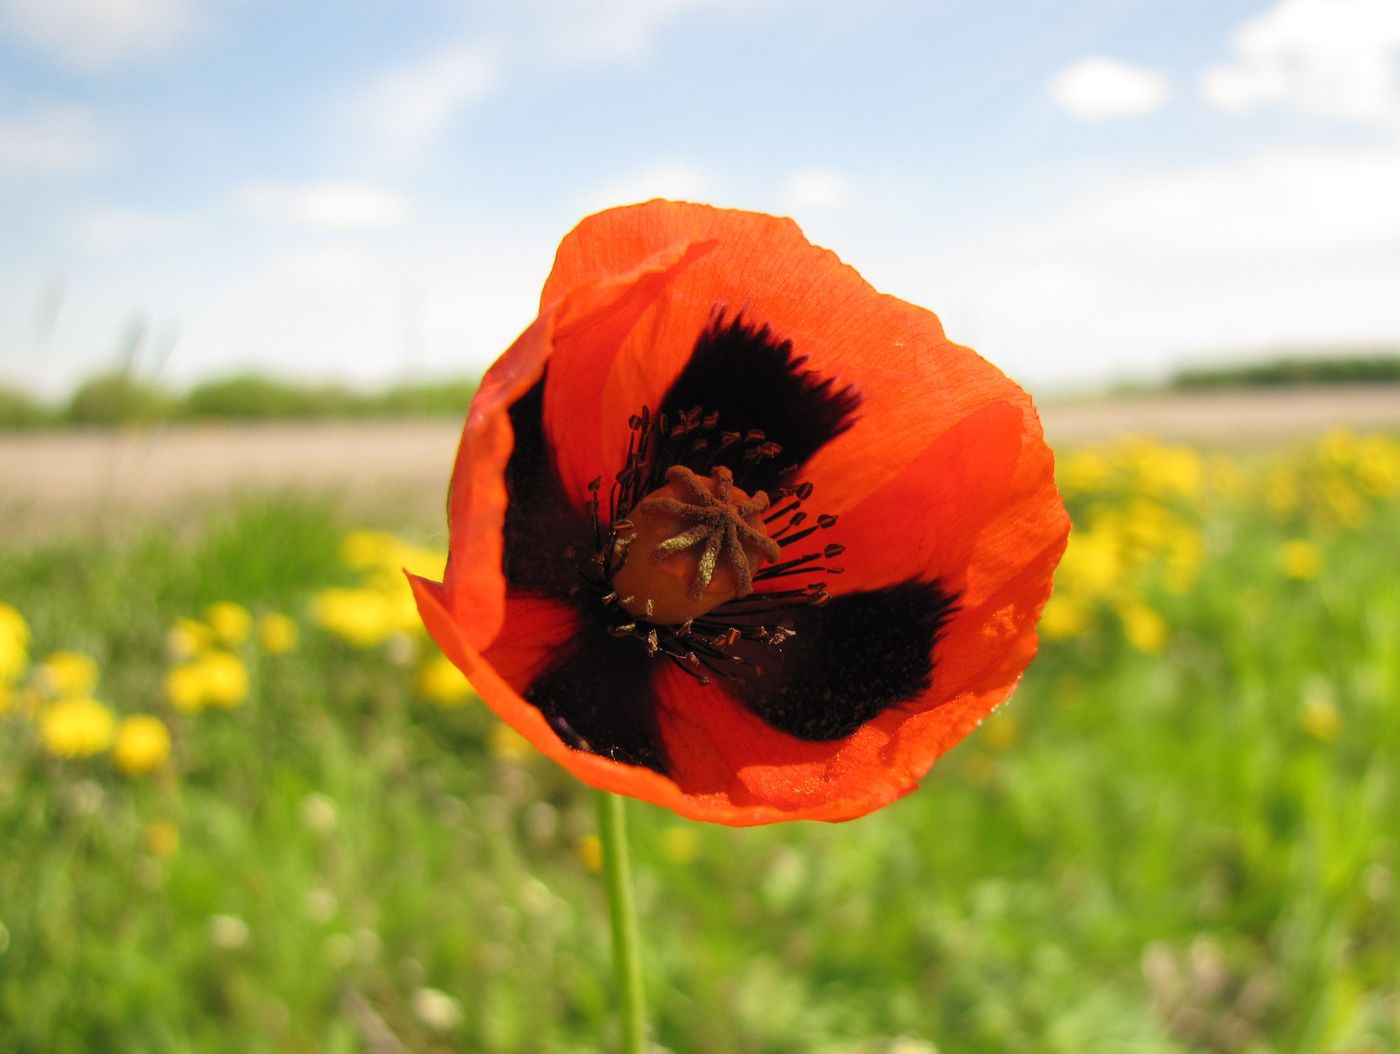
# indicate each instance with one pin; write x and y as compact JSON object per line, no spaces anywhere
{"x":225,"y":679}
{"x":68,"y":675}
{"x":142,"y":744}
{"x":230,"y":622}
{"x":1378,"y":466}
{"x":419,"y":561}
{"x":1300,"y":559}
{"x":162,"y":839}
{"x":440,"y":682}
{"x":361,"y":617}
{"x":1085,"y":472}
{"x":590,"y":852}
{"x":1173,"y":471}
{"x":1094,"y":560}
{"x":77,"y":728}
{"x":1226,"y":477}
{"x":217,"y":678}
{"x":277,"y":634}
{"x":1145,"y":629}
{"x":1321,"y":719}
{"x":184,"y":688}
{"x":1065,"y":616}
{"x":366,"y":549}
{"x":506,"y":743}
{"x":187,"y":638}
{"x":14,"y":644}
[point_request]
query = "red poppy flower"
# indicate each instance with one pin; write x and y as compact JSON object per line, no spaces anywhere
{"x":735,"y":533}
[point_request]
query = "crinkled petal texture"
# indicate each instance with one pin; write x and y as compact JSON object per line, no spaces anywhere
{"x":911,"y":485}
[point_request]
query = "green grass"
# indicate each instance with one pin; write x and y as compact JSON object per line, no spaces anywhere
{"x":1144,"y":853}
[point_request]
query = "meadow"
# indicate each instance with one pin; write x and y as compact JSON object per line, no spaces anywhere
{"x":244,"y":807}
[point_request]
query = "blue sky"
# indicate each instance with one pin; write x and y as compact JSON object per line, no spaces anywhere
{"x":1084,"y":191}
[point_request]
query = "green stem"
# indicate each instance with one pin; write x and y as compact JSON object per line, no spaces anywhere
{"x":617,"y":872}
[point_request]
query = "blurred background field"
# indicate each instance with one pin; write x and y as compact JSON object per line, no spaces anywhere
{"x":245,"y":807}
{"x":254,"y":254}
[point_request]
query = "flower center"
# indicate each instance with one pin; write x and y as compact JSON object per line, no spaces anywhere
{"x":687,"y":592}
{"x":692,"y":545}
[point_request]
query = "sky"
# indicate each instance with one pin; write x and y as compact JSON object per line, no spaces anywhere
{"x":1086,"y":191}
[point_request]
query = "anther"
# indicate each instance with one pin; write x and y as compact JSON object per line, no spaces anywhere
{"x":703,"y":539}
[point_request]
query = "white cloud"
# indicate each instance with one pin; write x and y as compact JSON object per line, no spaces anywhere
{"x":96,"y":34}
{"x":1281,"y":248}
{"x":408,"y":107}
{"x":1100,"y":89}
{"x":50,"y":140}
{"x":106,"y":229}
{"x":605,"y":29}
{"x":326,"y":206}
{"x":815,"y":188}
{"x":678,"y":180}
{"x":1337,"y":59}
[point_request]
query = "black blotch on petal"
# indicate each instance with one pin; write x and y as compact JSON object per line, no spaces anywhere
{"x":541,"y":522}
{"x":754,"y":380}
{"x":851,"y":660}
{"x":597,"y":697}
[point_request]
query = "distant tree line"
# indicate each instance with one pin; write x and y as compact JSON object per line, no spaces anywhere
{"x":118,"y":398}
{"x":1291,"y":371}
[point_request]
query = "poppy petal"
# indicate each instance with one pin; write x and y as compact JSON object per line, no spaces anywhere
{"x":613,"y":715}
{"x":581,"y":323}
{"x":542,"y":525}
{"x":913,"y":382}
{"x":849,"y":660}
{"x":586,"y":343}
{"x":987,"y":472}
{"x":738,"y":770}
{"x":978,"y":512}
{"x":533,"y":632}
{"x":777,"y":402}
{"x":594,"y":769}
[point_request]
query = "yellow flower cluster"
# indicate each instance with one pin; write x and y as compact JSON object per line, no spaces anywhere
{"x":209,"y":669}
{"x":1139,"y":510}
{"x":77,"y":728}
{"x":59,"y":697}
{"x":212,"y":678}
{"x":1136,"y":511}
{"x":1335,"y":483}
{"x":380,"y":610}
{"x":14,"y":646}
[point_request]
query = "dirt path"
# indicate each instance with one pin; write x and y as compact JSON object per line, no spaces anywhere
{"x":397,"y":470}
